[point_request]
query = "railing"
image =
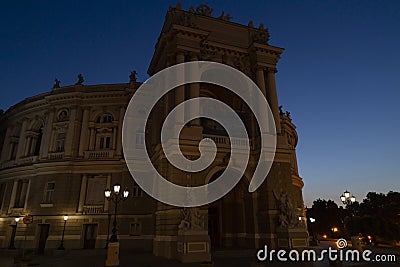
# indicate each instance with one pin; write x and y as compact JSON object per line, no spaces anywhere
{"x":25,"y":160}
{"x":99,"y":154}
{"x":224,"y":141}
{"x":56,"y":155}
{"x":93,"y":209}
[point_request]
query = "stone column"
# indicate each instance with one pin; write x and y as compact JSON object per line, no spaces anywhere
{"x":28,"y":141}
{"x":92,"y":138}
{"x":119,"y":135}
{"x":47,"y":135}
{"x":180,"y":91}
{"x":273,"y":98}
{"x":261,"y":80}
{"x":22,"y":141}
{"x":13,"y":195}
{"x":27,"y":195}
{"x":82,"y":194}
{"x":194,"y":93}
{"x":83,"y":140}
{"x":70,"y":142}
{"x":5,"y":154}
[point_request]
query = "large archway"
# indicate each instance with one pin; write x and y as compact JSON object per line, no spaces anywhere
{"x":230,"y":219}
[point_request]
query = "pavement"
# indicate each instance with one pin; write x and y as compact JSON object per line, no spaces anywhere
{"x":225,"y":258}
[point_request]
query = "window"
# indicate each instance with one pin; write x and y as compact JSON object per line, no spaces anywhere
{"x":49,"y":193}
{"x":107,"y":118}
{"x":136,"y":228}
{"x":105,"y":142}
{"x":21,"y":191}
{"x":13,"y":154}
{"x":60,"y":142}
{"x":38,"y":142}
{"x":95,"y":190}
{"x":137,"y":191}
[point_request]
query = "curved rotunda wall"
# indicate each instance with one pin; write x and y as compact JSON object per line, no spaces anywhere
{"x":59,"y":151}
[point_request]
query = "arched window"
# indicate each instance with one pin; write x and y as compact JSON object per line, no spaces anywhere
{"x":38,"y":141}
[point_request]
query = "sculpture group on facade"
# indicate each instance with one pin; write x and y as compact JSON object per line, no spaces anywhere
{"x":191,"y":219}
{"x":287,"y":217}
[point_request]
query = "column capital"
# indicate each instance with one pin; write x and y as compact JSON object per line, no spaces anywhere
{"x":272,"y":69}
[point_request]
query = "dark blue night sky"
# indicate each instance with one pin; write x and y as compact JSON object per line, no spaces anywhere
{"x":339,"y":75}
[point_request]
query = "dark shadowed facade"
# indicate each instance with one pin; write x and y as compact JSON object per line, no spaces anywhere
{"x":61,"y":149}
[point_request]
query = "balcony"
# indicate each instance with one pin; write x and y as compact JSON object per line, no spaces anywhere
{"x":93,"y":209}
{"x":224,"y":141}
{"x":56,"y":155}
{"x":27,"y":160}
{"x":99,"y":154}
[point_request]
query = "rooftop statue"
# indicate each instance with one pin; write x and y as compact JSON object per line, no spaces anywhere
{"x":56,"y":84}
{"x":204,"y":10}
{"x":80,"y":79}
{"x":225,"y":17}
{"x":132,"y":76}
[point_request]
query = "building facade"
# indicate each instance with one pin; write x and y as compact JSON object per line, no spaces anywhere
{"x":61,"y":149}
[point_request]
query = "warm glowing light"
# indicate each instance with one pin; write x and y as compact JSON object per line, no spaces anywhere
{"x":126,"y":193}
{"x":299,"y":218}
{"x":312,"y":220}
{"x":65,"y":217}
{"x":369,"y":237}
{"x":346,"y":194}
{"x":325,"y":236}
{"x":117,"y":187}
{"x":107,"y":193}
{"x":17,"y":219}
{"x":342,"y":198}
{"x":334,"y":229}
{"x":353,"y":199}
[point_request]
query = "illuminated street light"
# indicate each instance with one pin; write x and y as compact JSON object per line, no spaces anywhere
{"x":61,"y":247}
{"x":113,"y":245}
{"x":347,"y":199}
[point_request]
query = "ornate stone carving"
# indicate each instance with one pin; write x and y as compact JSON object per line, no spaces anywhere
{"x":204,"y":10}
{"x":287,"y":217}
{"x":191,"y":219}
{"x":185,"y":19}
{"x":226,"y":17}
{"x":260,"y":36}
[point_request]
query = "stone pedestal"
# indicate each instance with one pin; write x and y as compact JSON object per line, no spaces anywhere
{"x":193,"y":246}
{"x":292,"y":238}
{"x":113,"y":254}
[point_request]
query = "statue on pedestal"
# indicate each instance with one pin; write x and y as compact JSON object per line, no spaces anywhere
{"x":192,"y":219}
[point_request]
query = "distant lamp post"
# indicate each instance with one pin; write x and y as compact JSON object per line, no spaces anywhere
{"x":347,"y":199}
{"x":115,"y":197}
{"x":61,"y":247}
{"x":14,"y":232}
{"x":113,"y":245}
{"x":312,"y":220}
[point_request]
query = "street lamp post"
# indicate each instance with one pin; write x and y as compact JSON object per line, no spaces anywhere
{"x":61,"y":247}
{"x":113,"y":245}
{"x":347,"y":199}
{"x":108,"y":231}
{"x":14,"y":232}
